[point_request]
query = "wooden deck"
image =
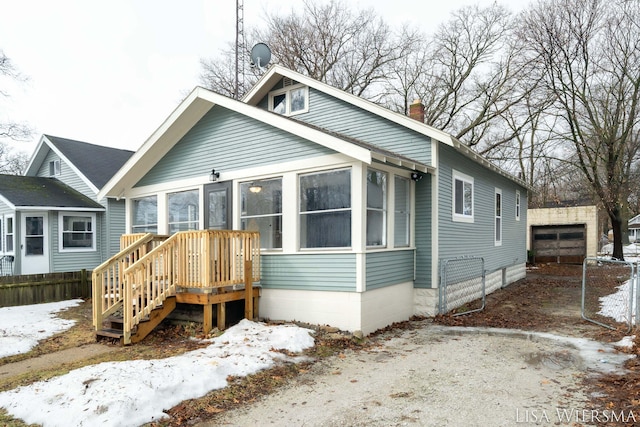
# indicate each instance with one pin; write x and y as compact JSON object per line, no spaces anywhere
{"x":138,"y":287}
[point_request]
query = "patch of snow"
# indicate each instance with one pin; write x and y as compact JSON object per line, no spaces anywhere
{"x":136,"y":392}
{"x":23,"y":326}
{"x":617,"y":305}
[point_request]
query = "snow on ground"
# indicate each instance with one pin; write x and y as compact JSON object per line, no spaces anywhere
{"x":616,"y":305}
{"x":22,"y":327}
{"x":136,"y":392}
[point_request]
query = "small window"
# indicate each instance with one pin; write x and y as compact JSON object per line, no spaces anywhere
{"x":498,"y":224}
{"x":77,"y":231}
{"x":54,"y":168}
{"x":462,"y":197}
{"x":145,"y":215}
{"x":376,"y":208}
{"x":290,"y":100}
{"x":262,"y":210}
{"x":8,"y":235}
{"x":517,"y":205}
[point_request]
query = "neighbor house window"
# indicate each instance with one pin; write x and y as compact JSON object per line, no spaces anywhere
{"x":325,"y":209}
{"x":498,"y":224}
{"x":517,"y":205}
{"x":290,"y":100}
{"x":376,"y":208}
{"x":402,"y":211}
{"x":462,"y":197}
{"x":77,"y":231}
{"x":261,"y":210}
{"x":145,"y":215}
{"x":8,"y":234}
{"x":54,"y":168}
{"x":183,"y":211}
{"x":1,"y":235}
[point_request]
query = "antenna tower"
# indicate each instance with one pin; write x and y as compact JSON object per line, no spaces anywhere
{"x":239,"y":47}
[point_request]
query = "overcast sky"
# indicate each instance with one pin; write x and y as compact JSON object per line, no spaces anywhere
{"x":109,"y":72}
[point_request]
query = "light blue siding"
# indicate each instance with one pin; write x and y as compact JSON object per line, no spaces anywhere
{"x":226,"y":141}
{"x":310,"y":272}
{"x":114,"y":226}
{"x":76,"y":260}
{"x":423,"y":231}
{"x":388,"y":268}
{"x":341,"y":117}
{"x":477,"y":238}
{"x":67,"y":175}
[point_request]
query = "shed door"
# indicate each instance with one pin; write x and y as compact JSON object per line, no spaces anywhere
{"x":34,"y":247}
{"x":561,"y":243}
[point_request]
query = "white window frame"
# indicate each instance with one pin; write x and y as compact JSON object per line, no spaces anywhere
{"x":6,"y":234}
{"x":61,"y":231}
{"x":518,"y":205}
{"x":193,"y":211}
{"x":323,"y":211}
{"x":403,"y":212}
{"x":246,"y":187}
{"x":383,"y":210}
{"x":498,"y":209}
{"x":143,"y":228}
{"x":466,"y":179}
{"x":54,"y":168}
{"x":287,"y":92}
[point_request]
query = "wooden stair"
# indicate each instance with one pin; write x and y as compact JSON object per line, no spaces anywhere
{"x":113,"y":325}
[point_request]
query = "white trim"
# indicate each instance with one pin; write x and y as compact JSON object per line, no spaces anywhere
{"x":459,"y":176}
{"x":287,"y":92}
{"x":57,"y":208}
{"x":61,"y":156}
{"x":94,"y":231}
{"x":518,"y":205}
{"x":496,"y":217}
{"x":3,"y":234}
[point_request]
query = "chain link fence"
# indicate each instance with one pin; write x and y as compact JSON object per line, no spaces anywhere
{"x":462,"y":285}
{"x":610,"y":293}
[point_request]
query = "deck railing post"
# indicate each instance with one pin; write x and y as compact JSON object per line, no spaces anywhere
{"x":248,"y":289}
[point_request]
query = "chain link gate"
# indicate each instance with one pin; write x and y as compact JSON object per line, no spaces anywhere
{"x":462,"y":281}
{"x":609,"y":288}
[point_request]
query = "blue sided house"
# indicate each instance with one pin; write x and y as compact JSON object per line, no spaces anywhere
{"x":51,"y":219}
{"x":356,"y":205}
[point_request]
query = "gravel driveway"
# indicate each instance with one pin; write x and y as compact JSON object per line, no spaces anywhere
{"x":440,"y":376}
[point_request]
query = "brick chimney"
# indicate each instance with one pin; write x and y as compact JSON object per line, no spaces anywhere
{"x":416,"y":110}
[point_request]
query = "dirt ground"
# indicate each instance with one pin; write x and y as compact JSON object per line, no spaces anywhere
{"x":539,"y":372}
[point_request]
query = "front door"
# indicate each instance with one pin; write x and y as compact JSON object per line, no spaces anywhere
{"x":217,"y":202}
{"x":34,"y":246}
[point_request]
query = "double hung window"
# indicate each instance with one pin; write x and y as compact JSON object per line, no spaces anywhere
{"x":325,"y":209}
{"x":145,"y":215}
{"x":183,"y":211}
{"x":77,"y":231}
{"x":462,"y":197}
{"x":376,"y":208}
{"x":262,"y":210}
{"x":290,"y":100}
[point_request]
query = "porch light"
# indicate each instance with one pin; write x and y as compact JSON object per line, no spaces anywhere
{"x":255,"y":188}
{"x":214,"y":175}
{"x":415,"y":176}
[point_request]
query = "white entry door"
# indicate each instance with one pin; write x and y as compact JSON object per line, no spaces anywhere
{"x":34,"y":245}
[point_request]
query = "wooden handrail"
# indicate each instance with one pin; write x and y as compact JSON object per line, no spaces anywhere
{"x":199,"y":259}
{"x":108,"y":277}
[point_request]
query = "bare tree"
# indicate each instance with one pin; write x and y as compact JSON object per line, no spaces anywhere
{"x":329,"y":42}
{"x":12,"y":162}
{"x":11,"y":129}
{"x":589,"y":51}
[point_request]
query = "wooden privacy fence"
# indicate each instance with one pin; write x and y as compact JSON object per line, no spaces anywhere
{"x":42,"y":288}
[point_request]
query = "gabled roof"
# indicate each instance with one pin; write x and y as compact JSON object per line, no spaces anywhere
{"x":277,"y":72}
{"x":32,"y":192}
{"x":95,"y":164}
{"x":199,"y":102}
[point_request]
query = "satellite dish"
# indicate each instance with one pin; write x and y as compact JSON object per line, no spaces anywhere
{"x":260,"y":55}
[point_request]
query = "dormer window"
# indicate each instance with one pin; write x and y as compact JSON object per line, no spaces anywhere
{"x":54,"y":168}
{"x":290,"y":101}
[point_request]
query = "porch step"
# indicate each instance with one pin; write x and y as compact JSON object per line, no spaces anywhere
{"x":114,"y":324}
